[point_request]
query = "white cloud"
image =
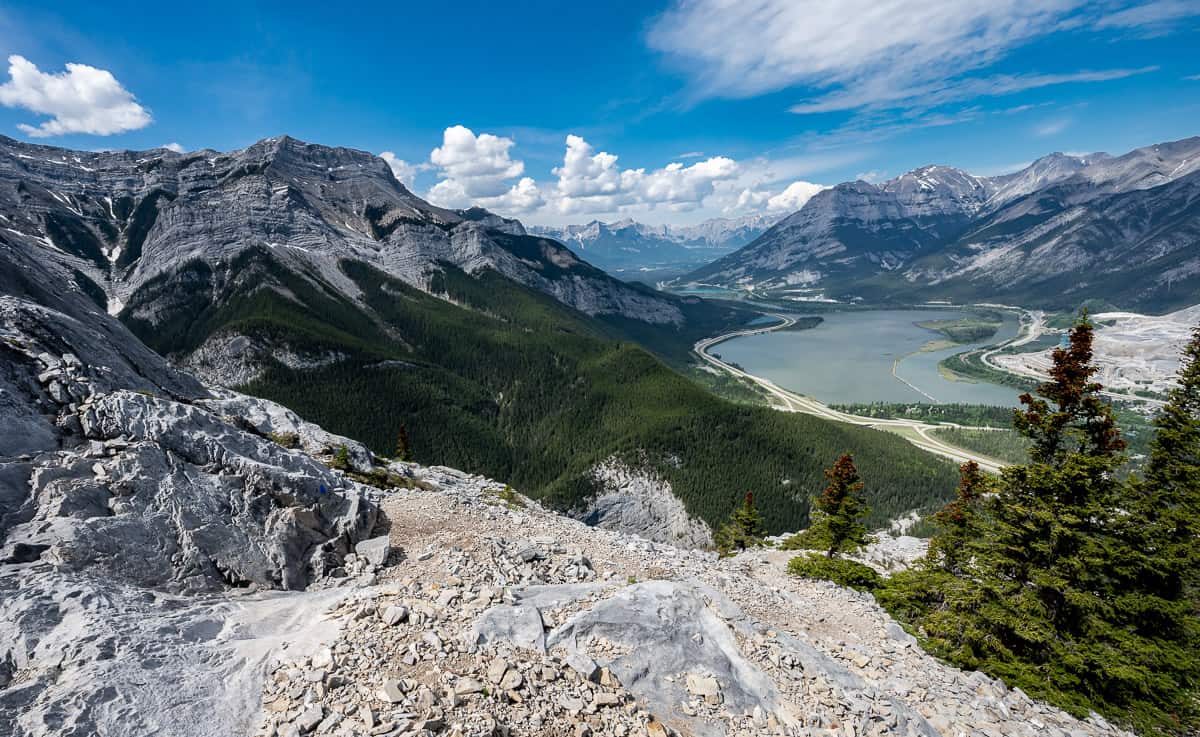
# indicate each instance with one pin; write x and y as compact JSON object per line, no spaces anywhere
{"x":82,"y":99}
{"x":475,"y":171}
{"x":590,"y":181}
{"x":479,"y":165}
{"x":872,"y":53}
{"x":1051,"y":127}
{"x":794,"y":197}
{"x":522,"y":198}
{"x":872,"y":177}
{"x":1152,"y":16}
{"x":685,"y":187}
{"x":173,"y":146}
{"x":481,"y":170}
{"x":404,"y":172}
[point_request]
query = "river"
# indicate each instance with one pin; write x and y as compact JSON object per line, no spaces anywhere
{"x":849,"y":357}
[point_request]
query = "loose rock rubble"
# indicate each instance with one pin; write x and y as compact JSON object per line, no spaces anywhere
{"x":495,"y":617}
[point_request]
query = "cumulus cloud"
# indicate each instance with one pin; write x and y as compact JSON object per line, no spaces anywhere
{"x":82,"y":99}
{"x":793,"y":197}
{"x":481,"y":170}
{"x":475,"y":170}
{"x":173,"y":146}
{"x":477,"y":165}
{"x":522,"y":198}
{"x":404,"y":172}
{"x":590,"y":181}
{"x":866,"y":53}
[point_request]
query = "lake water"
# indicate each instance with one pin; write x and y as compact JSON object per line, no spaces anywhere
{"x":849,"y":356}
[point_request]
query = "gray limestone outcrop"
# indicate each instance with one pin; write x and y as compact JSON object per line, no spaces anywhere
{"x":149,"y":233}
{"x":639,"y":502}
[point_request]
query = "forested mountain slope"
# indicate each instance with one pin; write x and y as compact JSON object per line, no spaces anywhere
{"x":309,"y":275}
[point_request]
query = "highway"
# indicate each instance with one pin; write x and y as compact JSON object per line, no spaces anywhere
{"x":916,"y":432}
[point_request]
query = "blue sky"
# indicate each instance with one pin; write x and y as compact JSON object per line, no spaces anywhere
{"x":671,"y":111}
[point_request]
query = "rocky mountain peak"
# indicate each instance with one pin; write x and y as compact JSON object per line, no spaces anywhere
{"x":129,"y":220}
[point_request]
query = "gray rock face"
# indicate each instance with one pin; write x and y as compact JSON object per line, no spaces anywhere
{"x":141,"y":521}
{"x":675,"y":641}
{"x":638,"y":502}
{"x":130,"y":221}
{"x":1090,"y":226}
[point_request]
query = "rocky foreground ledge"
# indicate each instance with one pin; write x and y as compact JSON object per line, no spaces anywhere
{"x":175,"y":561}
{"x":492,"y":616}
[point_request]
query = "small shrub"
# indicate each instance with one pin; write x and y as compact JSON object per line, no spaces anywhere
{"x":816,"y":538}
{"x":508,"y":497}
{"x":842,"y":572}
{"x":341,"y":459}
{"x":286,"y":439}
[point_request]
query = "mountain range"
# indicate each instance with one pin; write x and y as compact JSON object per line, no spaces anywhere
{"x":627,"y":247}
{"x":310,"y":276}
{"x":1065,"y":229}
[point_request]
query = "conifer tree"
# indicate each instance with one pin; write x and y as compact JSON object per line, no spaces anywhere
{"x":1052,"y":513}
{"x":402,"y":449}
{"x":1169,"y":503}
{"x":743,"y":530}
{"x":1044,"y":613}
{"x":841,"y":506}
{"x":959,"y":523}
{"x":1159,"y":569}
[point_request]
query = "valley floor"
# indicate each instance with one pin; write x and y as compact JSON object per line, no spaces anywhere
{"x":916,"y":432}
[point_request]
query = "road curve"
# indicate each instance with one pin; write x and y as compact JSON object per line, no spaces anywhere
{"x":789,"y":401}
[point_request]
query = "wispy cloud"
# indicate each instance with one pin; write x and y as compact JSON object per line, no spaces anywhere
{"x":690,"y":155}
{"x":935,"y":95}
{"x":1151,"y":18}
{"x":1051,"y":127}
{"x":864,"y":54}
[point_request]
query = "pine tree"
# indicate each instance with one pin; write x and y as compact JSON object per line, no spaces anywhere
{"x":959,"y":523}
{"x":743,"y":530}
{"x":1043,"y":613}
{"x":842,"y":507}
{"x":1160,"y":571}
{"x":402,"y":449}
{"x":1169,"y":508}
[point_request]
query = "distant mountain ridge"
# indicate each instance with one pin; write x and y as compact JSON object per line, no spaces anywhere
{"x":1062,"y":230}
{"x":127,"y":222}
{"x":627,"y":245}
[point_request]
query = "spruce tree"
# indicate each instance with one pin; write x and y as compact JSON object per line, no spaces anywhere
{"x":743,"y":530}
{"x":1169,"y":508}
{"x":841,"y":507}
{"x":1044,"y":611}
{"x":959,"y":523}
{"x":1160,"y":585}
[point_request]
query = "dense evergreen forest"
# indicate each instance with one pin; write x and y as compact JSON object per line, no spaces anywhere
{"x":502,"y":380}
